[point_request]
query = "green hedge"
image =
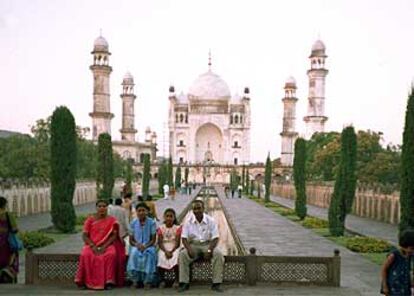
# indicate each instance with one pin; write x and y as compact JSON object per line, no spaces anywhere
{"x":80,"y":219}
{"x":361,"y":244}
{"x":313,"y":222}
{"x":35,"y":239}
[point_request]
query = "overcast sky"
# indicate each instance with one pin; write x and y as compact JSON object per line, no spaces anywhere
{"x":45,"y":56}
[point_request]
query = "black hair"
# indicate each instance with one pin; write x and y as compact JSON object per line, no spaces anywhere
{"x":142,"y":205}
{"x":140,"y":198}
{"x":149,"y":197}
{"x":101,"y":201}
{"x":3,"y":202}
{"x":198,"y":201}
{"x":171,"y":210}
{"x":110,"y":201}
{"x":128,"y":195}
{"x":118,"y":201}
{"x":406,"y":238}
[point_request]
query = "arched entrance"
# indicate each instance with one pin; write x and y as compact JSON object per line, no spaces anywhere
{"x":209,"y":144}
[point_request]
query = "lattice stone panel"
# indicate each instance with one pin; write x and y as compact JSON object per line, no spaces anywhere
{"x":62,"y":270}
{"x":234,"y":272}
{"x":293,"y":272}
{"x":201,"y":271}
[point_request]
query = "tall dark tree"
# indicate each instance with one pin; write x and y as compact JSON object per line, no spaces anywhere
{"x":186,"y":173}
{"x":243,"y":177}
{"x":105,"y":170}
{"x":178,"y":177}
{"x":299,"y":177}
{"x":268,"y":178}
{"x":170,"y":173}
{"x":251,"y":187}
{"x":128,"y":176}
{"x":162,"y":177}
{"x":63,"y":160}
{"x":146,"y":176}
{"x":407,"y":168}
{"x":247,"y":181}
{"x":345,"y":184}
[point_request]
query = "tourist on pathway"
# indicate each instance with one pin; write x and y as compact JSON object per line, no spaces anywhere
{"x":166,"y":189}
{"x":169,"y":236}
{"x":102,"y":259}
{"x":200,"y":237}
{"x":396,"y":271}
{"x":121,"y":216}
{"x":9,"y":259}
{"x":152,"y":209}
{"x":239,"y":190}
{"x":127,"y":205}
{"x":142,"y":260}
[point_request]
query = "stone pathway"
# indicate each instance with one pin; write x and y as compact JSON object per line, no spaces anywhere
{"x":273,"y":234}
{"x":359,"y":225}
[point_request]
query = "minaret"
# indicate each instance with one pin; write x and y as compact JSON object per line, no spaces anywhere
{"x":315,"y":119}
{"x":128,"y":130}
{"x":171,"y":119}
{"x":101,"y":115}
{"x":289,"y":133}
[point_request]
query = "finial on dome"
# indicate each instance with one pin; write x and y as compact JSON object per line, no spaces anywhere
{"x":209,"y":59}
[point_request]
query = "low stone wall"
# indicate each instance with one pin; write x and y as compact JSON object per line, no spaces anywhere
{"x":27,"y":200}
{"x":368,"y":203}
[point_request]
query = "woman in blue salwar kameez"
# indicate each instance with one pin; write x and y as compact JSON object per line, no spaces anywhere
{"x":142,"y":262}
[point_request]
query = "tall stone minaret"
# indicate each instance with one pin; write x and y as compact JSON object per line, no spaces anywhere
{"x":101,"y":115}
{"x":128,"y":130}
{"x":289,"y":133}
{"x":315,"y":119}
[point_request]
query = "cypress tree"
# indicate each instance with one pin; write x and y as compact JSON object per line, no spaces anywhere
{"x":146,"y":176}
{"x":170,"y":177}
{"x":246,"y":188}
{"x":243,"y":177}
{"x":178,"y":177}
{"x":407,"y":165}
{"x":268,"y":178}
{"x":161,"y":177}
{"x":345,"y":184}
{"x":105,"y":169}
{"x":251,"y":187}
{"x":299,"y":174}
{"x":63,"y":160}
{"x":128,"y":176}
{"x":186,"y":172}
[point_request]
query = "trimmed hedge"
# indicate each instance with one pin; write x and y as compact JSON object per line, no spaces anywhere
{"x":35,"y":239}
{"x":362,"y":244}
{"x":313,"y":222}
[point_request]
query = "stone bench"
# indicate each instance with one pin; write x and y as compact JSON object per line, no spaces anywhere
{"x":42,"y":268}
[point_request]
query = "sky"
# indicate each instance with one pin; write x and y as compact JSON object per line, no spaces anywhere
{"x":45,"y":57}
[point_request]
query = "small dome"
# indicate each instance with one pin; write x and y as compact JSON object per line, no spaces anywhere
{"x":209,"y":86}
{"x":128,"y":77}
{"x":318,"y":48}
{"x":291,"y":80}
{"x":171,"y":89}
{"x":182,"y":98}
{"x":246,"y":90}
{"x":100,"y":44}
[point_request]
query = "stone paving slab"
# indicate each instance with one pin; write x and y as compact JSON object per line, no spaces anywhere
{"x":273,"y":234}
{"x":240,"y":290}
{"x":360,"y":225}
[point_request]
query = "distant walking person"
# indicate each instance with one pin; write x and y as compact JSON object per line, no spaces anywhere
{"x":396,"y":271}
{"x":9,"y":258}
{"x":239,"y":190}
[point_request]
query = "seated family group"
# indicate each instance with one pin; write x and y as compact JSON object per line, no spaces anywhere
{"x":152,"y":250}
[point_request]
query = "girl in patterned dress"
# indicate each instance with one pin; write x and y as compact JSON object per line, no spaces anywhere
{"x":169,"y":236}
{"x":396,"y":271}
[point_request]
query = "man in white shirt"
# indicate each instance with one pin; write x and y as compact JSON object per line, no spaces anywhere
{"x":166,"y":189}
{"x":200,"y":237}
{"x":121,"y":216}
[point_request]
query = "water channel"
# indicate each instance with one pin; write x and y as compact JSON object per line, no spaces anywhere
{"x":213,"y":207}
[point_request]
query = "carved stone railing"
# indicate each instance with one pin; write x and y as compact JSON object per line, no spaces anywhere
{"x":42,"y":268}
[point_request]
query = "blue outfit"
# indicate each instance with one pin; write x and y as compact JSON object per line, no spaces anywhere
{"x":141,"y":266}
{"x":398,"y":276}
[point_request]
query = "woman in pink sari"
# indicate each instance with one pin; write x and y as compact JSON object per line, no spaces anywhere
{"x":102,"y":259}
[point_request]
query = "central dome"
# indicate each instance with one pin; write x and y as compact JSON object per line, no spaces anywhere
{"x":209,"y":86}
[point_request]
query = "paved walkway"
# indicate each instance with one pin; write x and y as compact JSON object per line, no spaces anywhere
{"x":273,"y":234}
{"x":359,"y":225}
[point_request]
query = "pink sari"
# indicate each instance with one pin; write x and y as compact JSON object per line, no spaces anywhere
{"x":96,"y":271}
